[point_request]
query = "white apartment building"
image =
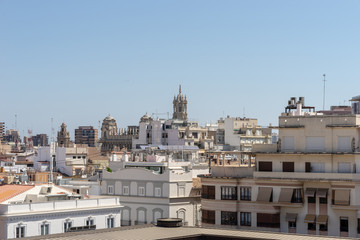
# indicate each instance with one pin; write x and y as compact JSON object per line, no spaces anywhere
{"x":157,"y":188}
{"x":308,"y":183}
{"x":242,"y":133}
{"x":27,"y":211}
{"x":68,"y":160}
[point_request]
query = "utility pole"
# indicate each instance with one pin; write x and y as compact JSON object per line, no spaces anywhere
{"x":324,"y":75}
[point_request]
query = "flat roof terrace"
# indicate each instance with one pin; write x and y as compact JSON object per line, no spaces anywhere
{"x":147,"y":232}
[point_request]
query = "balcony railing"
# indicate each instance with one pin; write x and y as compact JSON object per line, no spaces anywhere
{"x":305,"y":175}
{"x":140,"y":223}
{"x":125,"y":222}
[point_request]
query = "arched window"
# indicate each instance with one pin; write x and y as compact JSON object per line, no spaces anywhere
{"x":181,"y":213}
{"x":126,"y":217}
{"x":157,"y":213}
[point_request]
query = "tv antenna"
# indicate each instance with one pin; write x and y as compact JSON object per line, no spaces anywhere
{"x":324,"y":75}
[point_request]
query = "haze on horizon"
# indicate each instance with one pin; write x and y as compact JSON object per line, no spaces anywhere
{"x":78,"y":61}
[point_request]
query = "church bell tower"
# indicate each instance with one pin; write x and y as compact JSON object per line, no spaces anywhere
{"x":180,"y":106}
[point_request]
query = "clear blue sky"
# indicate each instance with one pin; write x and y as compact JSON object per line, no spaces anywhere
{"x":78,"y":61}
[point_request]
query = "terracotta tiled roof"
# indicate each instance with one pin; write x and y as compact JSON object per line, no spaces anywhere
{"x":9,"y":191}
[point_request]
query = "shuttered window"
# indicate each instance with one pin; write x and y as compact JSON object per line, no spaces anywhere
{"x":315,"y":144}
{"x":288,"y":166}
{"x":208,"y":192}
{"x":268,"y":220}
{"x":208,"y":216}
{"x":265,"y":166}
{"x":344,"y":144}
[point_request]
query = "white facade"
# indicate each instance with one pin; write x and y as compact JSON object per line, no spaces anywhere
{"x":27,"y":219}
{"x":161,"y":191}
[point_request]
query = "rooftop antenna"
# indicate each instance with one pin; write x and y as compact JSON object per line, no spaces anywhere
{"x":324,"y":75}
{"x":244,"y":112}
{"x":52,"y":151}
{"x":15,"y":121}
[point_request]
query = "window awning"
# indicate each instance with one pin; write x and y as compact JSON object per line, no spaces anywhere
{"x":264,"y":194}
{"x":342,"y":197}
{"x":322,"y":192}
{"x":310,"y":192}
{"x":310,"y":218}
{"x":322,"y":219}
{"x":291,"y":217}
{"x":286,"y":195}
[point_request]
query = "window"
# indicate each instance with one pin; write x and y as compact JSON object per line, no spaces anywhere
{"x":315,"y":144}
{"x":208,"y":192}
{"x":157,"y":192}
{"x":311,"y":200}
{"x":288,"y":166}
{"x":228,"y":218}
{"x":44,"y":228}
{"x":323,"y":200}
{"x":208,"y":216}
{"x":312,"y":226}
{"x":228,"y":193}
{"x":344,"y":167}
{"x":74,"y":157}
{"x":288,"y":143}
{"x":110,"y":189}
{"x":268,"y":220}
{"x":307,"y":167}
{"x":245,"y":193}
{"x":141,"y":191}
{"x":358,"y":225}
{"x":125,"y":190}
{"x":67,"y":225}
{"x":90,"y":222}
{"x":292,"y":224}
{"x":20,"y":231}
{"x":181,"y":191}
{"x":245,"y":219}
{"x":110,"y":222}
{"x":297,"y":196}
{"x":265,"y":166}
{"x":344,"y":144}
{"x":323,"y":227}
{"x":344,"y":224}
{"x":317,"y":167}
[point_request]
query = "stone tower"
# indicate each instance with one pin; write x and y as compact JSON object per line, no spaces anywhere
{"x":108,"y":127}
{"x":63,"y":136}
{"x":180,"y":106}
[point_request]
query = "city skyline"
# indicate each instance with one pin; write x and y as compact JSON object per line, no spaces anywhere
{"x":78,"y":63}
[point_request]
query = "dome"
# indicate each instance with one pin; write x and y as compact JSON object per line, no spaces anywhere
{"x":109,"y":118}
{"x":145,"y":118}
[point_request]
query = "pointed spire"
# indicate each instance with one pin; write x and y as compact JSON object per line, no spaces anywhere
{"x":180,"y":88}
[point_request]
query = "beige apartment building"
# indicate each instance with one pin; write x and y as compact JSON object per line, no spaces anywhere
{"x":307,"y":183}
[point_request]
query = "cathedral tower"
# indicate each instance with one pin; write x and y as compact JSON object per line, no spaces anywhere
{"x":180,"y":107}
{"x":63,"y":136}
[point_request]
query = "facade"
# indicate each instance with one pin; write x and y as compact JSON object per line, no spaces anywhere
{"x":241,"y":133}
{"x":113,"y":139}
{"x":2,"y":129}
{"x":40,"y":140}
{"x":158,"y":187}
{"x":86,"y":135}
{"x":28,"y":211}
{"x":63,"y":137}
{"x":12,"y":135}
{"x":307,"y":183}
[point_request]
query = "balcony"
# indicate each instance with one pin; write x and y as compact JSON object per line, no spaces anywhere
{"x":308,"y":176}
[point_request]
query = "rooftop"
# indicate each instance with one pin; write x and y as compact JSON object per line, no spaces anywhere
{"x":147,"y":232}
{"x":9,"y":191}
